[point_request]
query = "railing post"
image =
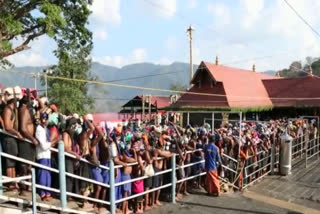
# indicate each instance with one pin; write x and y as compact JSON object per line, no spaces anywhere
{"x":318,"y":155}
{"x":306,"y":151}
{"x":62,"y":175}
{"x":173,"y":179}
{"x":273,"y":156}
{"x":112,"y":192}
{"x":1,"y":189}
{"x":34,"y":194}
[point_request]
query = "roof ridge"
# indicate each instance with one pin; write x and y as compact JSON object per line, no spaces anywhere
{"x":240,"y":69}
{"x":291,"y":78}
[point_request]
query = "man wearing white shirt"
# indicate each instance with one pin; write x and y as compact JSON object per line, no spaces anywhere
{"x":44,"y":155}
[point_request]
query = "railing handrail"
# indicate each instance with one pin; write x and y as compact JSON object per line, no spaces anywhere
{"x":53,"y":150}
{"x":52,"y":169}
{"x":16,"y":179}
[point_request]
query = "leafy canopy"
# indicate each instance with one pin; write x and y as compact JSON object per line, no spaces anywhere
{"x":66,"y":22}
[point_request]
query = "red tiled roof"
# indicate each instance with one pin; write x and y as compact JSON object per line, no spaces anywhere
{"x":160,"y":101}
{"x":203,"y":100}
{"x":302,"y":87}
{"x":242,"y":88}
{"x":112,"y":117}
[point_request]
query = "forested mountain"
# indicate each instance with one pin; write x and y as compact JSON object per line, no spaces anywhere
{"x":110,"y":98}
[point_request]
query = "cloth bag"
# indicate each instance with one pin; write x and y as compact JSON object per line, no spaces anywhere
{"x":149,"y":171}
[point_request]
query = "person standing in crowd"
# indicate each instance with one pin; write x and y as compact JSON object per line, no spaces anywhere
{"x":104,"y":157}
{"x":9,"y":143}
{"x":44,"y":155}
{"x":212,"y":160}
{"x":149,"y":145}
{"x":129,"y":155}
{"x":138,"y":171}
{"x":95,"y":169}
{"x":27,"y":129}
{"x":84,"y":139}
{"x":161,"y":150}
{"x":116,"y":155}
{"x":68,"y":140}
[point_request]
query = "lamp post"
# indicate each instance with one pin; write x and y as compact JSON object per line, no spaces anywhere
{"x":36,"y":75}
{"x":47,"y":71}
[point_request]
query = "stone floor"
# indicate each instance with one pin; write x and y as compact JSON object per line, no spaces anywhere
{"x":301,"y":187}
{"x":232,"y":203}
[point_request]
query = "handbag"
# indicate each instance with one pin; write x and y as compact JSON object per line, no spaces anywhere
{"x":149,"y":171}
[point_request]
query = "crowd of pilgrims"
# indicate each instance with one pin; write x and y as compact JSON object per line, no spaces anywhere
{"x":151,"y":146}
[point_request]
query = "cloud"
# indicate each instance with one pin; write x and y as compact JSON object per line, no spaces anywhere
{"x":164,"y":61}
{"x":221,"y":13}
{"x":160,"y":8}
{"x":253,"y":10}
{"x":137,"y":55}
{"x":104,"y":13}
{"x":100,"y":34}
{"x":192,"y":4}
{"x":38,"y":55}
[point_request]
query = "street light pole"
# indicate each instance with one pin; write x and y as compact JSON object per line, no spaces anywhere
{"x":35,"y":81}
{"x":47,"y":71}
{"x":36,"y":75}
{"x":46,"y":80}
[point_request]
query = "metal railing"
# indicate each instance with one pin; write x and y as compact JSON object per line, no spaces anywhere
{"x":263,"y":166}
{"x":312,"y":149}
{"x":230,"y":165}
{"x":5,"y":179}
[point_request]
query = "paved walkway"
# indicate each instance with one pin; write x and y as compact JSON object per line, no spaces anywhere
{"x":232,"y":203}
{"x":301,"y":187}
{"x":297,"y":193}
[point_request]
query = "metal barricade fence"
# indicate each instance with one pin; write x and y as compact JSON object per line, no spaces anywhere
{"x":312,"y":149}
{"x":229,"y":165}
{"x":265,"y":163}
{"x":298,"y":146}
{"x":62,"y":177}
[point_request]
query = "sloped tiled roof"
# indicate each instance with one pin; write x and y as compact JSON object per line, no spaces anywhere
{"x":241,"y":88}
{"x":290,"y":90}
{"x":157,"y":101}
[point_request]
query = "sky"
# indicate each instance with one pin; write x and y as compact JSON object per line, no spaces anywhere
{"x":241,"y":33}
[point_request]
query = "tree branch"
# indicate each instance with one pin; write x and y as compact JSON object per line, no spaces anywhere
{"x":25,"y":9}
{"x":23,"y":46}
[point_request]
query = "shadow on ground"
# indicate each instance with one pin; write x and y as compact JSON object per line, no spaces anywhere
{"x":229,"y":208}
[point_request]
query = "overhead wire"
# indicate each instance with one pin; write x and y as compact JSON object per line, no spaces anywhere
{"x":165,"y":90}
{"x":144,"y":76}
{"x":302,"y":19}
{"x":223,"y":36}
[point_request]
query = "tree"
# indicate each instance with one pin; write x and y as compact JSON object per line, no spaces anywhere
{"x":296,"y":68}
{"x":177,"y":86}
{"x":74,"y":47}
{"x":26,"y":20}
{"x":316,"y":67}
{"x":66,"y":22}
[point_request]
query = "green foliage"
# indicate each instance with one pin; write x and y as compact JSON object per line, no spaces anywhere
{"x":64,"y":20}
{"x":29,"y":19}
{"x":296,"y":69}
{"x":74,"y":48}
{"x":316,"y":67}
{"x":177,"y":86}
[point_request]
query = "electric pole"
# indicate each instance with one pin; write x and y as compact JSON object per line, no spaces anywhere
{"x":189,"y":31}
